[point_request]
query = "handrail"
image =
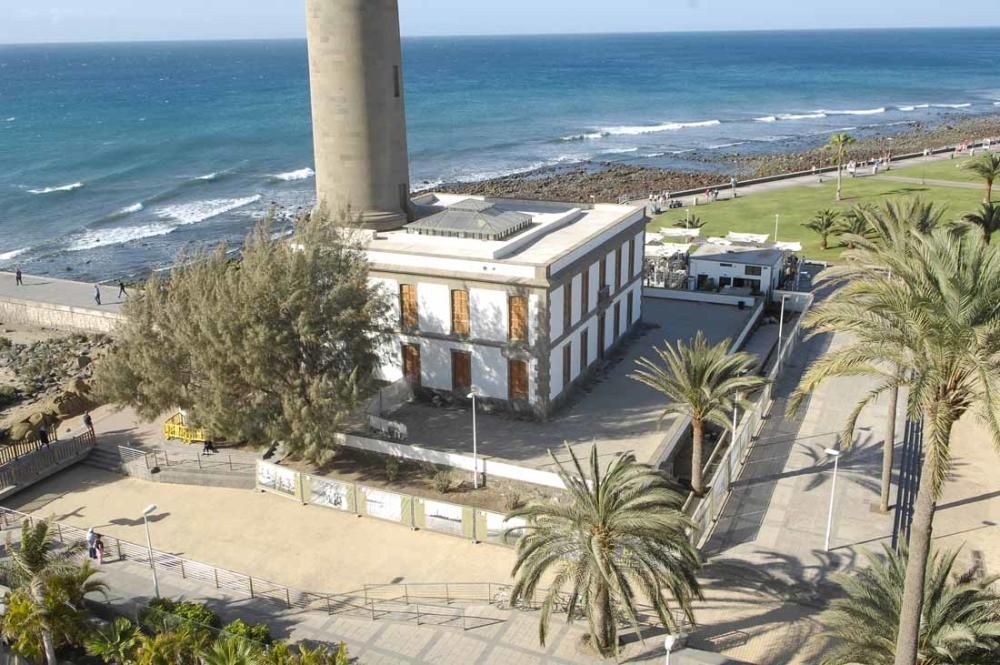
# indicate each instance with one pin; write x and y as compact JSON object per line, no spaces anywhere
{"x":36,"y":463}
{"x":15,"y":451}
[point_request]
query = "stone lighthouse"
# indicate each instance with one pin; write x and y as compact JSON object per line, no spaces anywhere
{"x":359,"y":123}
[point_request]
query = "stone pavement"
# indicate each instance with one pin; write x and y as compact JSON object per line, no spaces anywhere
{"x":60,"y":292}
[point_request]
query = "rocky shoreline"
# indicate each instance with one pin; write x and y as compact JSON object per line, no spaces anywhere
{"x":603,"y":181}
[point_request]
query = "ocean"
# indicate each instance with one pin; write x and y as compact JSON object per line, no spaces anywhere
{"x":114,"y":157}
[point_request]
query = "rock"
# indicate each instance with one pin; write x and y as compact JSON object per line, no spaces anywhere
{"x":21,"y":431}
{"x":71,"y":404}
{"x":83,"y":360}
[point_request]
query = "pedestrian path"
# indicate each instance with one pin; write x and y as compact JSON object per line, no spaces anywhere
{"x":55,"y":291}
{"x":931,"y":181}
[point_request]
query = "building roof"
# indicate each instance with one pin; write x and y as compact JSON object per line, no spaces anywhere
{"x":472,"y":218}
{"x":744,"y":255}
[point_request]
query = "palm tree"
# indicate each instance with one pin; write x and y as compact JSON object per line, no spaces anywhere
{"x":695,"y":222}
{"x":117,"y":644}
{"x":839,"y":143}
{"x":620,"y":538}
{"x":931,"y":327}
{"x":47,"y":607}
{"x":960,"y":621}
{"x":986,"y":167}
{"x":701,"y":382}
{"x":854,"y":224}
{"x":824,"y":223}
{"x":232,"y":651}
{"x":987,"y":219}
{"x":173,"y":647}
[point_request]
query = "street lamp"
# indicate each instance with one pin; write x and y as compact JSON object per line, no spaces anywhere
{"x":149,"y":544}
{"x":781,"y":330}
{"x":475,"y":450}
{"x":776,"y":218}
{"x":835,"y":454}
{"x":668,"y":645}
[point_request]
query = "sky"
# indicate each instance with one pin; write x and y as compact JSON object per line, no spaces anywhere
{"x":134,"y":20}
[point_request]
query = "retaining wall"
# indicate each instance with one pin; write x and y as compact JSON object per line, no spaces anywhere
{"x":51,"y":315}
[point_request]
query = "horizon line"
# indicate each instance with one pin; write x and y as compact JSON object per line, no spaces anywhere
{"x":515,"y":34}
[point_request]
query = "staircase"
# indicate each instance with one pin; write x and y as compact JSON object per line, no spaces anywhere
{"x":105,"y":457}
{"x":164,"y":467}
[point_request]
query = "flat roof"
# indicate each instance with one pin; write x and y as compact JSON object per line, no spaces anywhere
{"x":555,"y":229}
{"x":758,"y":256}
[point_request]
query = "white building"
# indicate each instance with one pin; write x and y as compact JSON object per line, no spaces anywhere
{"x":758,"y":269}
{"x":513,"y":299}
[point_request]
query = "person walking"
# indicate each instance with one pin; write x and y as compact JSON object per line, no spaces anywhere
{"x":43,"y":437}
{"x":121,"y":290}
{"x":97,"y":294}
{"x":88,"y":422}
{"x":99,"y":550}
{"x":17,"y":277}
{"x":91,"y":543}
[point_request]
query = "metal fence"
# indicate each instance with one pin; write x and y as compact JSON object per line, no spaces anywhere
{"x":216,"y":462}
{"x":726,"y":462}
{"x":28,"y":465}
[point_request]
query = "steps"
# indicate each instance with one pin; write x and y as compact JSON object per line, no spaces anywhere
{"x":106,"y":458}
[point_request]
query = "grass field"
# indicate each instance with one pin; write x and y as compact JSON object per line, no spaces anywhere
{"x":754,"y":213}
{"x":946,"y":169}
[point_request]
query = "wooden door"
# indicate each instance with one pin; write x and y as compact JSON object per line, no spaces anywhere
{"x":518,"y":323}
{"x":601,"y":318}
{"x":411,"y":363}
{"x":461,"y":372}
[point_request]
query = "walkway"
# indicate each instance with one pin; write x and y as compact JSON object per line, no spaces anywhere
{"x":60,"y":292}
{"x":932,"y":181}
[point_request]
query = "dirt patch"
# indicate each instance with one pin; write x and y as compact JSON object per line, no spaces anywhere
{"x":422,"y":479}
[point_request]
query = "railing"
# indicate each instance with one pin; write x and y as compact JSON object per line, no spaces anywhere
{"x":726,"y":462}
{"x":32,"y":464}
{"x":214,"y":462}
{"x":175,"y":428}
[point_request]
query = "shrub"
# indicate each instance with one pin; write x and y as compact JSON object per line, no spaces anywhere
{"x":5,"y":343}
{"x":164,"y":614}
{"x":8,"y":395}
{"x":391,"y":469}
{"x":512,"y":502}
{"x":255,"y":632}
{"x":443,"y":481}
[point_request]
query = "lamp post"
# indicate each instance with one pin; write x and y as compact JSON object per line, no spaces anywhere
{"x":835,"y":454}
{"x":668,"y":645}
{"x":776,"y":219}
{"x":781,"y":330}
{"x":149,"y":544}
{"x":475,"y":450}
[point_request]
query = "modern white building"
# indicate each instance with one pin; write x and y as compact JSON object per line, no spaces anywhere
{"x":515,"y":300}
{"x":758,"y":269}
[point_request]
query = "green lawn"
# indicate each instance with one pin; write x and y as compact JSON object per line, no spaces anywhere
{"x":754,"y":213}
{"x":946,"y":169}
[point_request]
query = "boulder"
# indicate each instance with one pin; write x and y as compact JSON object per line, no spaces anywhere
{"x":21,"y":431}
{"x":83,"y":360}
{"x":71,"y":404}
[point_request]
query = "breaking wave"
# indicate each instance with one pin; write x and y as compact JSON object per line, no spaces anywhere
{"x":876,"y":111}
{"x":199,"y":211}
{"x":301,"y":174}
{"x":104,"y":237}
{"x":13,"y":254}
{"x":636,"y":130}
{"x":61,"y":188}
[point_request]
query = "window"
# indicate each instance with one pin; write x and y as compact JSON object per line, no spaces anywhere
{"x":567,"y":306}
{"x":395,"y":81}
{"x":411,"y":363}
{"x":584,"y":350}
{"x":631,"y":260}
{"x":604,"y":273}
{"x":753,"y":270}
{"x":518,"y":324}
{"x":725,"y":265}
{"x":567,"y":364}
{"x":629,"y":311}
{"x":408,"y":306}
{"x":461,"y":371}
{"x":601,"y":329}
{"x":460,"y":313}
{"x":585,"y":292}
{"x":618,"y":320}
{"x":517,"y":380}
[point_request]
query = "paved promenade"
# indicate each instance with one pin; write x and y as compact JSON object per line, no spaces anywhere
{"x":56,"y":291}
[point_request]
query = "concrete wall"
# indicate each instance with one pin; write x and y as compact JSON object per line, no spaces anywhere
{"x":63,"y":317}
{"x":699,"y":296}
{"x":796,"y":301}
{"x":716,"y":270}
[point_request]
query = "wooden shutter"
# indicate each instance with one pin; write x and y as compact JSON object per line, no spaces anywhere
{"x":604,"y":274}
{"x":618,"y":320}
{"x":628,"y":321}
{"x":408,"y":306}
{"x":618,"y":269}
{"x":411,"y":363}
{"x":460,"y":313}
{"x":518,"y":324}
{"x":584,"y":350}
{"x":461,"y":371}
{"x":567,"y":306}
{"x":585,"y":292}
{"x":567,"y":364}
{"x":631,"y":260}
{"x":517,"y":379}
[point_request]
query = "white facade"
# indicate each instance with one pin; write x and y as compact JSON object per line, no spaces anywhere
{"x":762,"y":275}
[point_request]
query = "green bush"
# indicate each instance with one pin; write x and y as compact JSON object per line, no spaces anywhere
{"x":443,"y":481}
{"x":255,"y":632}
{"x":391,"y":469}
{"x":8,"y":395}
{"x":166,"y":614}
{"x":5,"y":343}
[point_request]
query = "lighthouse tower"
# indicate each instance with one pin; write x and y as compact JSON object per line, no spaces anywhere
{"x":359,"y":123}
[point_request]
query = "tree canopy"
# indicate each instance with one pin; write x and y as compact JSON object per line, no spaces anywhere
{"x":277,"y":345}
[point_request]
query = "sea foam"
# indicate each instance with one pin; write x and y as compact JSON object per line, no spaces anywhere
{"x":300,"y":174}
{"x":802,"y":116}
{"x":61,"y":188}
{"x":953,"y":106}
{"x":13,"y":254}
{"x":199,"y":211}
{"x":103,"y":237}
{"x":876,"y":111}
{"x":635,"y":130}
{"x":767,"y":118}
{"x":914,"y":107}
{"x":128,"y":210}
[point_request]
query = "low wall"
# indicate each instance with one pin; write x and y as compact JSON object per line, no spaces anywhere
{"x":30,"y":468}
{"x":64,"y":317}
{"x":796,"y":301}
{"x":698,"y":296}
{"x":487,"y":466}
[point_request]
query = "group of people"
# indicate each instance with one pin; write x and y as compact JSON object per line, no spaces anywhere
{"x":95,"y":546}
{"x":874,"y":164}
{"x":122,"y":292}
